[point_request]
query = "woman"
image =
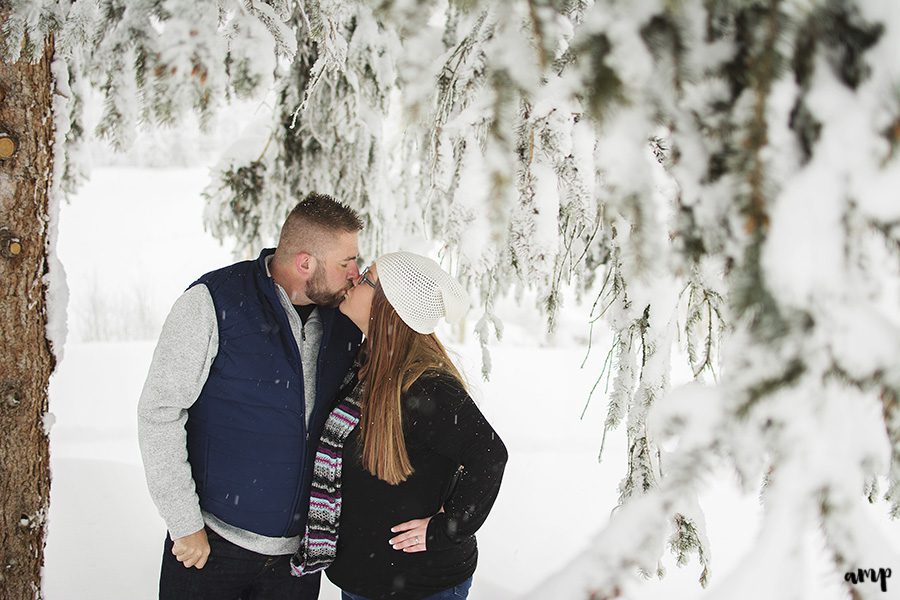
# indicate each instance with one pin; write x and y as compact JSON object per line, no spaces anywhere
{"x":408,"y":468}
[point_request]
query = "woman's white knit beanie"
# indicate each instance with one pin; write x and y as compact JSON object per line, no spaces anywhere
{"x":421,"y":291}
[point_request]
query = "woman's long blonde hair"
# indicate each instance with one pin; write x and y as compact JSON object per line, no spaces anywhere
{"x":395,"y":356}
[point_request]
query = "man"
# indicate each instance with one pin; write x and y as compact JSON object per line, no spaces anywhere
{"x":238,"y":392}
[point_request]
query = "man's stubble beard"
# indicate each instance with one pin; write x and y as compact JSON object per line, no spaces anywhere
{"x":317,"y":290}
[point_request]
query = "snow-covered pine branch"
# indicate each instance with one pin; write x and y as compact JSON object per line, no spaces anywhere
{"x":768,"y":195}
{"x":327,"y":131}
{"x":153,"y":61}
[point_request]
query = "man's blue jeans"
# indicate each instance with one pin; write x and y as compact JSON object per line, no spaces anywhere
{"x":233,"y":573}
{"x":458,"y":592}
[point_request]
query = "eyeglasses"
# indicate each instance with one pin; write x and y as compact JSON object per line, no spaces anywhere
{"x":364,"y":278}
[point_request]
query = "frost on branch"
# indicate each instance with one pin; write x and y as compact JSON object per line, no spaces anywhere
{"x":153,"y":61}
{"x":326,"y":133}
{"x":761,"y":247}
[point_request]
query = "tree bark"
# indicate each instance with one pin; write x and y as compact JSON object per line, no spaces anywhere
{"x":26,"y":359}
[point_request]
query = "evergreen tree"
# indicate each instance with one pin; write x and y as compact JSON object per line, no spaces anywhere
{"x":154,"y":60}
{"x":28,"y":329}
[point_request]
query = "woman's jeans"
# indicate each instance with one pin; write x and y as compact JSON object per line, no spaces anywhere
{"x":454,"y":593}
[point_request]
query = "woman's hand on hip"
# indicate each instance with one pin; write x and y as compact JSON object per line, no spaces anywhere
{"x":412,"y":535}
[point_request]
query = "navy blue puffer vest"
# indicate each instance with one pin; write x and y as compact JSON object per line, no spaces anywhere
{"x":250,"y":450}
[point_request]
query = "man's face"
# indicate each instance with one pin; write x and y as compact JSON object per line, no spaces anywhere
{"x":335,"y":271}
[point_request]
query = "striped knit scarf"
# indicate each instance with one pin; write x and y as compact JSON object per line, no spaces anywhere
{"x":319,"y":544}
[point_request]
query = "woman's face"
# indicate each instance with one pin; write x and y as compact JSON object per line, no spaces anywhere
{"x":357,"y":305}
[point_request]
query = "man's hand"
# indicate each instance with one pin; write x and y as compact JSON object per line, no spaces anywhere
{"x":412,"y":535}
{"x":192,"y":550}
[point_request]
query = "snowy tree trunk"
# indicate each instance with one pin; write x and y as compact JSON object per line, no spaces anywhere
{"x":26,"y":117}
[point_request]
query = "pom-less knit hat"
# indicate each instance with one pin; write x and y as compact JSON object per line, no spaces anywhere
{"x":421,"y":291}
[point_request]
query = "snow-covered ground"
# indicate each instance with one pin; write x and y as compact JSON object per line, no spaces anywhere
{"x":133,"y":240}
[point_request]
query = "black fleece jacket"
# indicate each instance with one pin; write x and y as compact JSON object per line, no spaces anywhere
{"x":458,"y":461}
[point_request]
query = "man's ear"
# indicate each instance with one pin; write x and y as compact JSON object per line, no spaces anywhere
{"x":305,"y":264}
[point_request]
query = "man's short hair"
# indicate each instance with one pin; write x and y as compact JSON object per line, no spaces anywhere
{"x":312,"y":222}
